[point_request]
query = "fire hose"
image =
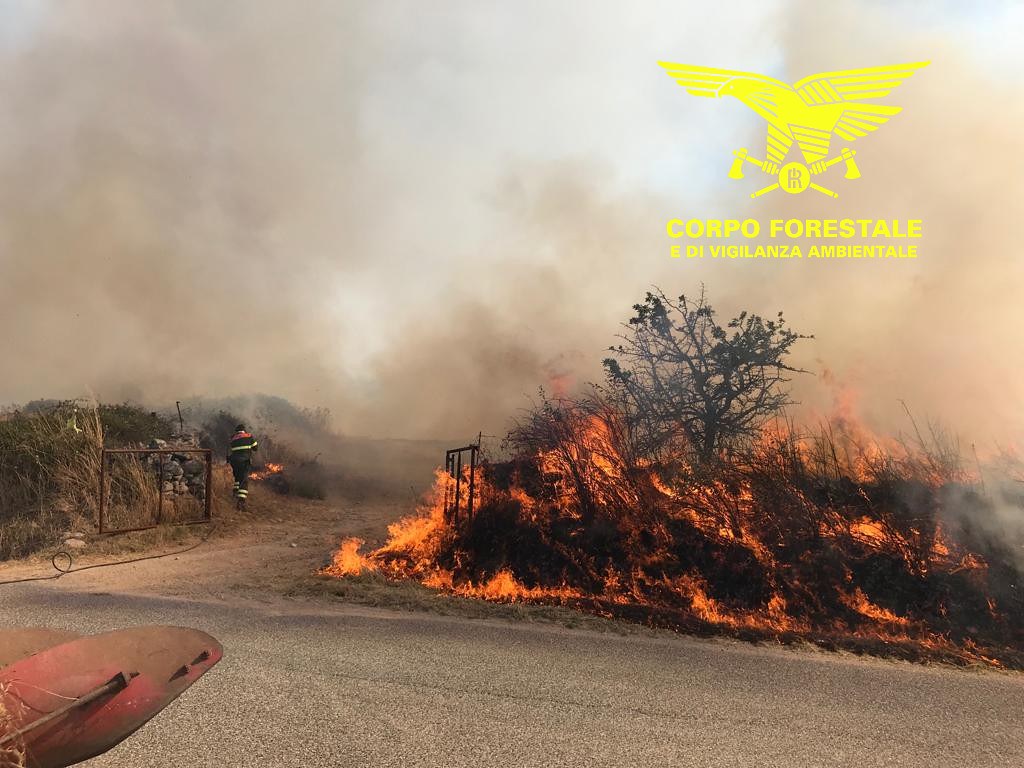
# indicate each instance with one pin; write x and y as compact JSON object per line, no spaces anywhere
{"x":64,"y":568}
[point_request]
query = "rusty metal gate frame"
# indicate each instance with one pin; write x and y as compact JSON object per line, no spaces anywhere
{"x":107,"y":455}
{"x":453,"y":466}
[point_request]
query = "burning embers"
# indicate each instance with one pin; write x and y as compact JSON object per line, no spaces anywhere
{"x":780,"y":543}
{"x":302,"y":477}
{"x":273,"y":475}
{"x":269,"y":470}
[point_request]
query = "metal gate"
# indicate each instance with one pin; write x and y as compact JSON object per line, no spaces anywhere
{"x":140,"y":488}
{"x":454,"y":465}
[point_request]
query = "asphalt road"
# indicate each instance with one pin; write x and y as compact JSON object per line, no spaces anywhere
{"x":300,"y":686}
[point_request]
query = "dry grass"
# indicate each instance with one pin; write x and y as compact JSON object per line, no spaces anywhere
{"x":49,"y":471}
{"x":374,"y":590}
{"x":131,"y":492}
{"x":11,"y":755}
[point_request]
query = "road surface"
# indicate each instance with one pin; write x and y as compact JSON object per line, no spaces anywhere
{"x":307,"y":685}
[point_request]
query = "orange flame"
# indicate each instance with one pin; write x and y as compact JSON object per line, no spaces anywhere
{"x":347,"y":560}
{"x":270,"y":468}
{"x":589,"y":473}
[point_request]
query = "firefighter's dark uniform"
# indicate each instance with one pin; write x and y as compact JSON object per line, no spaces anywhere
{"x":240,"y":451}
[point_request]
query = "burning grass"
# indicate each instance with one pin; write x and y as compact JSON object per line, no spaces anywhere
{"x":871,"y":546}
{"x":302,"y":477}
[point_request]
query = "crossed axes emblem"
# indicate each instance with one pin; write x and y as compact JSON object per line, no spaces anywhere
{"x":794,"y":177}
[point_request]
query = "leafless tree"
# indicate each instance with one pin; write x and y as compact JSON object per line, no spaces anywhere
{"x":686,"y":382}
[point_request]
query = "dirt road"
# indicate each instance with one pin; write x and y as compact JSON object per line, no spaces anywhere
{"x":264,"y":552}
{"x":313,"y":683}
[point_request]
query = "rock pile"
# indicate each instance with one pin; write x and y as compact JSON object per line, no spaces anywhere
{"x":183,"y":473}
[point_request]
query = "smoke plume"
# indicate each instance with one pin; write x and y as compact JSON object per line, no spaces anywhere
{"x":417,"y":219}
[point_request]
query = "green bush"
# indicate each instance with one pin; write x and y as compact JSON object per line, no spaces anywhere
{"x":126,"y":424}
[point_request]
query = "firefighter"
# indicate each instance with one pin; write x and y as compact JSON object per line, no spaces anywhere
{"x":240,"y":451}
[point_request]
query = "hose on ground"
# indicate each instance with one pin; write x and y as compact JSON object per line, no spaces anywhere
{"x":63,"y":563}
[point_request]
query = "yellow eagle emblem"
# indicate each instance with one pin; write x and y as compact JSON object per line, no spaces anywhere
{"x":809,"y":113}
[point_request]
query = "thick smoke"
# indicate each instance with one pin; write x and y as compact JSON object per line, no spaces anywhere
{"x":417,"y":219}
{"x":941,"y":332}
{"x":171,"y":221}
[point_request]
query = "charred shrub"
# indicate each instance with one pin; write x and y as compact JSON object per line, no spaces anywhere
{"x":308,"y":480}
{"x":494,"y":538}
{"x":732,"y":573}
{"x":217,"y":431}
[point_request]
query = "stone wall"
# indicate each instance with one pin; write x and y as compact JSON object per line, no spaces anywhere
{"x":183,"y":474}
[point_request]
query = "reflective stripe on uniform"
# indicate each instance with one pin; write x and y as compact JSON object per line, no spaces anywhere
{"x":242,"y":441}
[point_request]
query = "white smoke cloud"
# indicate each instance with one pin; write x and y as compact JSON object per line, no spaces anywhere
{"x":416,"y":218}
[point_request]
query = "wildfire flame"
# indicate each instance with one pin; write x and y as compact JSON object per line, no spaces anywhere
{"x":270,"y":468}
{"x":580,"y":525}
{"x":347,"y":560}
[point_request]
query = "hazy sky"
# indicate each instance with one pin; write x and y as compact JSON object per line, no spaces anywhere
{"x":417,"y":213}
